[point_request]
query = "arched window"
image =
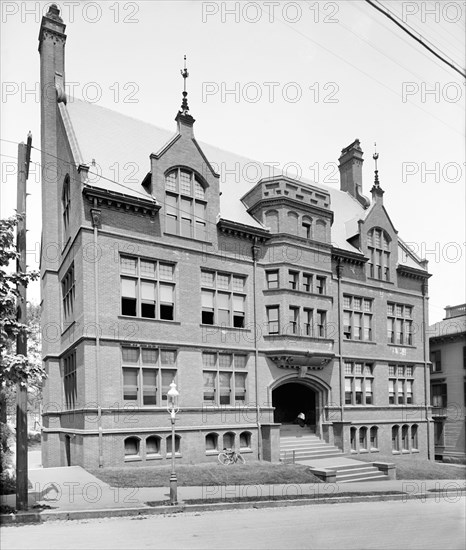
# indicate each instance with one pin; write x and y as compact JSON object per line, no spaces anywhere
{"x":65,"y":199}
{"x":373,"y":436}
{"x":132,"y":446}
{"x":363,"y":438}
{"x":395,"y":442}
{"x":271,"y":221}
{"x":321,"y":229}
{"x":169,"y":444}
{"x":185,"y":204}
{"x":153,"y":445}
{"x":293,"y":223}
{"x":306,"y":225}
{"x":414,"y":443}
{"x":228,"y":440}
{"x":405,"y":438}
{"x":353,"y":439}
{"x":211,"y":442}
{"x":378,"y":246}
{"x":245,"y":440}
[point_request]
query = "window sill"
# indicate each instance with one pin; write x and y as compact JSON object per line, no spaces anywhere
{"x":396,"y":452}
{"x":363,"y":451}
{"x":128,"y":317}
{"x":212,"y":453}
{"x":401,"y":345}
{"x":245,"y":450}
{"x":374,"y":450}
{"x":177,"y":455}
{"x":193,"y":239}
{"x":154,"y":457}
{"x":296,"y":292}
{"x":414,"y":450}
{"x":133,"y":459}
{"x":298,"y":336}
{"x":405,"y":452}
{"x":224,"y":327}
{"x":380,"y":280}
{"x":359,"y":341}
{"x":354,"y":452}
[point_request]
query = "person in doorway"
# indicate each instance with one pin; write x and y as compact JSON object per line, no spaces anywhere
{"x":301,"y":419}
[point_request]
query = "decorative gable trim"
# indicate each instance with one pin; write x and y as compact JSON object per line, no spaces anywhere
{"x":204,"y":158}
{"x":412,"y":273}
{"x":120,"y":201}
{"x":348,"y":256}
{"x":245,"y":231}
{"x":166,"y":147}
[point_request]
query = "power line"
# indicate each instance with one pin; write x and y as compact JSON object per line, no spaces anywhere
{"x":419,"y":38}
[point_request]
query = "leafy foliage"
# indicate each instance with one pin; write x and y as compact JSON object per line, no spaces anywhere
{"x":14,"y":368}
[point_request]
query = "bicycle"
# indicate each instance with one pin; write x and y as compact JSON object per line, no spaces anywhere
{"x":230,"y":456}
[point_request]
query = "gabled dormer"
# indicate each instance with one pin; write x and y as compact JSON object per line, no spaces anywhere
{"x":287,"y":206}
{"x":184,"y":182}
{"x":378,"y":237}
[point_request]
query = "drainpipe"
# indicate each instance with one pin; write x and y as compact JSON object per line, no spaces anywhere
{"x":340,"y":358}
{"x":96,"y":222}
{"x":255,"y":252}
{"x":426,"y":378}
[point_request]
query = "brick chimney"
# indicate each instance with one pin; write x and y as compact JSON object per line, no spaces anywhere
{"x":351,"y":172}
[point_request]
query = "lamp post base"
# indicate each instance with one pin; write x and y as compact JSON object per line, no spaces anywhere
{"x":173,"y":489}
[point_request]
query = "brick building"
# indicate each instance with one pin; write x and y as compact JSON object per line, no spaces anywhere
{"x":448,"y":383}
{"x":261,"y":300}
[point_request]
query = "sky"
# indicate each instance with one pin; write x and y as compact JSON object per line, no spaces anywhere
{"x":289,"y":83}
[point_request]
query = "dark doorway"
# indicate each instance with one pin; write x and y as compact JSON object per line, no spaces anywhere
{"x":68,"y":450}
{"x":291,"y":399}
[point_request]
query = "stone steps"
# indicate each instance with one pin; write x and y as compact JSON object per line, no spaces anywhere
{"x":298,"y":443}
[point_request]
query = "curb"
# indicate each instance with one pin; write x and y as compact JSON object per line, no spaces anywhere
{"x":35,"y":517}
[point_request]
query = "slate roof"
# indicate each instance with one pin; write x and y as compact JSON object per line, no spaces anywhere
{"x":448,"y":327}
{"x":121,"y":145}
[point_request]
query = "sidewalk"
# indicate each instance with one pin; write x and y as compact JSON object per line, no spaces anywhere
{"x":73,"y":493}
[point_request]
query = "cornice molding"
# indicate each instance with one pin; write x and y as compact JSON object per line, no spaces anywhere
{"x":120,"y":201}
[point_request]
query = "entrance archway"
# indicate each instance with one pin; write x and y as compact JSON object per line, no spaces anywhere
{"x":293,"y":398}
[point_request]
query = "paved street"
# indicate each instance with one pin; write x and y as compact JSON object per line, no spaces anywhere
{"x":395,"y":524}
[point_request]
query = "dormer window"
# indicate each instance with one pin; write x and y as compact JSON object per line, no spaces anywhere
{"x":185,"y":204}
{"x":378,"y":245}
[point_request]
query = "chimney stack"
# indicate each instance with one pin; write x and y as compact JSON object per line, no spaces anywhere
{"x":351,"y":172}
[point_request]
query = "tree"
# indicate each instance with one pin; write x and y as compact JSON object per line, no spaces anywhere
{"x":14,"y":368}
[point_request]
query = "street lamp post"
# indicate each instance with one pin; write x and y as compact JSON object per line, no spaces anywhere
{"x":173,"y":408}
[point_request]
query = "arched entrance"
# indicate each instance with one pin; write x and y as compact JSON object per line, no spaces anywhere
{"x":292,"y":398}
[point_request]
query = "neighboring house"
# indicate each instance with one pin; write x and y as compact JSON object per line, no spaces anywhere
{"x":448,"y":383}
{"x":261,"y":300}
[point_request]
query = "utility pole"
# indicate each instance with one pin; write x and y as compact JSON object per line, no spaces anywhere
{"x":24,"y":157}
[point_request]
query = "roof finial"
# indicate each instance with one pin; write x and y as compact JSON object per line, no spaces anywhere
{"x":375,"y":156}
{"x":184,"y":104}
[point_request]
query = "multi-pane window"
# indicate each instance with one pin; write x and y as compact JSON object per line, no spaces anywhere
{"x":400,"y":324}
{"x":223,"y":298}
{"x":293,"y":280}
{"x":320,"y":285}
{"x":272,"y":279}
{"x":66,"y":199}
{"x":297,"y":280}
{"x":373,"y":438}
{"x":378,"y":245}
{"x":321,"y":324}
{"x":436,"y":359}
{"x":147,"y":288}
{"x":185,"y":204}
{"x":359,"y":382}
{"x":225,"y":378}
{"x":307,"y":282}
{"x":69,"y":379}
{"x":147,"y":374}
{"x":395,"y":438}
{"x":293,"y":320}
{"x":67,"y":290}
{"x":439,"y":396}
{"x":273,"y":319}
{"x":357,"y":318}
{"x":400,"y":384}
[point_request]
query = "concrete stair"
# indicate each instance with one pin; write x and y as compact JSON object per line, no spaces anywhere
{"x":363,"y":471}
{"x":297,"y":444}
